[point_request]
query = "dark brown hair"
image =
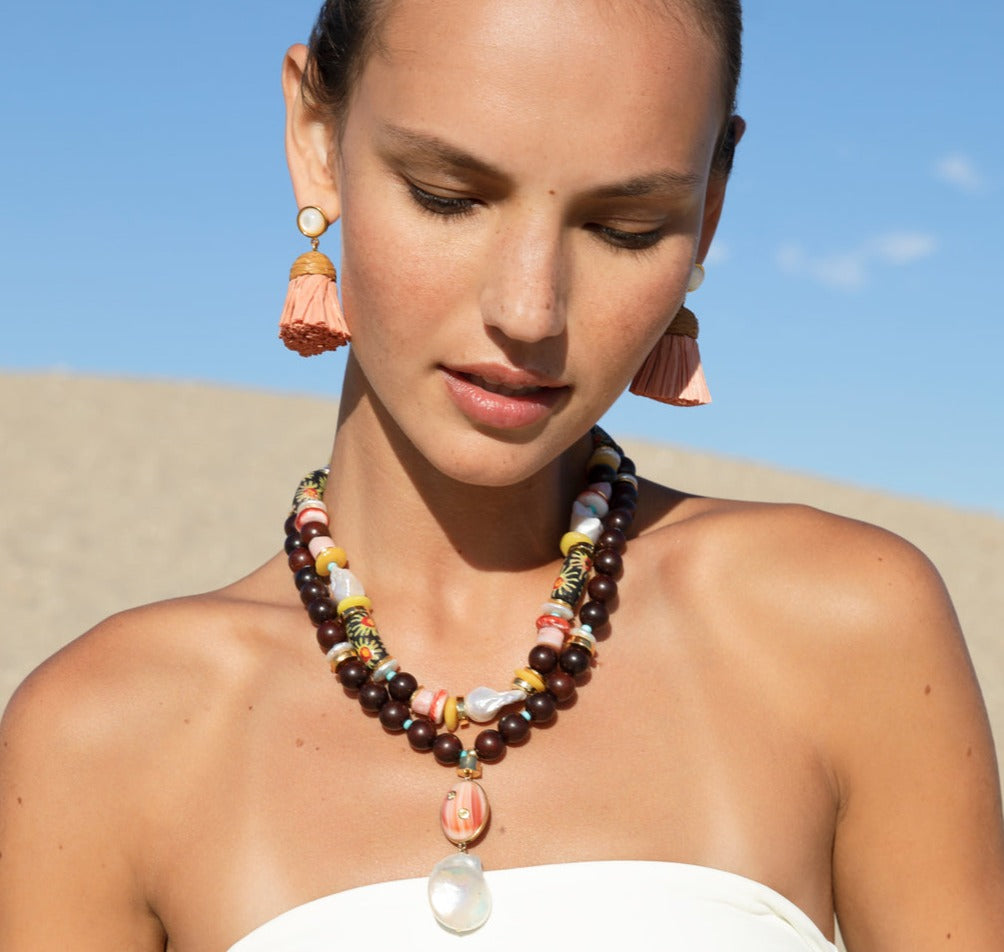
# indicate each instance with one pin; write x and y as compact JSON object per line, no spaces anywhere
{"x":347,"y":31}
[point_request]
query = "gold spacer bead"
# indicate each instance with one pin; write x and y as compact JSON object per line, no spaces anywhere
{"x":582,"y":642}
{"x":528,"y":678}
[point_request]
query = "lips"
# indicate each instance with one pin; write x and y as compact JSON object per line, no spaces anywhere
{"x":502,"y":397}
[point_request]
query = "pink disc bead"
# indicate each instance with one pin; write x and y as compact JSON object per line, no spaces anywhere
{"x":429,"y":703}
{"x":312,"y":513}
{"x":551,"y":636}
{"x":318,"y":544}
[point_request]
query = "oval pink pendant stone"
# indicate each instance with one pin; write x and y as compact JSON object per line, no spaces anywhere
{"x":465,"y":812}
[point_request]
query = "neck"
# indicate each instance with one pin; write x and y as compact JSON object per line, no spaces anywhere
{"x":389,"y":503}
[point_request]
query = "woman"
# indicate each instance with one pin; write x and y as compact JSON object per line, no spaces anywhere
{"x":781,"y":722}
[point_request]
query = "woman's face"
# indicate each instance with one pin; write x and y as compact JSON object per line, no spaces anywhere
{"x":523,"y":188}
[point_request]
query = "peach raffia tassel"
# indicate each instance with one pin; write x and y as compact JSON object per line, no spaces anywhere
{"x":312,"y":320}
{"x":672,"y":372}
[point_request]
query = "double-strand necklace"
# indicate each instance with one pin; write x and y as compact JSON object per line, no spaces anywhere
{"x":565,"y":647}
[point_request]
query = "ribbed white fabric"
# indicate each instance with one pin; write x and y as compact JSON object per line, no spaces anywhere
{"x":613,"y":904}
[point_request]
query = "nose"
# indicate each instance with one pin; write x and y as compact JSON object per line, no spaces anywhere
{"x":524,"y":294}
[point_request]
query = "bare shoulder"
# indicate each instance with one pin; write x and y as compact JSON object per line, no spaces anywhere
{"x":853,"y":626}
{"x":91,"y":747}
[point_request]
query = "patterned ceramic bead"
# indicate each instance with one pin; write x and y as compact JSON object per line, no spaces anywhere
{"x":361,"y":630}
{"x":574,"y":574}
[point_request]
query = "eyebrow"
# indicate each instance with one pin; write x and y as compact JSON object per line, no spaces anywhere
{"x":430,"y":146}
{"x":435,"y":148}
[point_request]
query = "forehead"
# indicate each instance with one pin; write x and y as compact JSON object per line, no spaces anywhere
{"x":523,"y":76}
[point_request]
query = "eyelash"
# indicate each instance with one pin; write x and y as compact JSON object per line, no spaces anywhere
{"x":445,"y":206}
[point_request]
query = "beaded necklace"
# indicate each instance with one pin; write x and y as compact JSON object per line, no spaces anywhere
{"x":347,"y":634}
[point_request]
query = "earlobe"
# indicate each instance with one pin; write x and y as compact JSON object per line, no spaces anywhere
{"x":309,"y":142}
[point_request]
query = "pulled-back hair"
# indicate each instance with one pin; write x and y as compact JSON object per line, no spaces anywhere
{"x":347,"y":31}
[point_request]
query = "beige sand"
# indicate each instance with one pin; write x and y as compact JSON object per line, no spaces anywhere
{"x":116,"y":493}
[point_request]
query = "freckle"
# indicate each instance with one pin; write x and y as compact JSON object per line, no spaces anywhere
{"x":250,"y":707}
{"x":19,"y":801}
{"x":969,"y":751}
{"x":60,"y":845}
{"x":927,"y":689}
{"x":187,"y":721}
{"x":299,"y":741}
{"x":550,"y":191}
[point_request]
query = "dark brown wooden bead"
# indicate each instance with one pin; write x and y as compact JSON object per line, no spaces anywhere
{"x":321,"y":610}
{"x":601,"y":588}
{"x":514,"y":728}
{"x":575,"y":660}
{"x":447,"y":748}
{"x":290,"y":524}
{"x":608,"y":562}
{"x":618,"y":519}
{"x":393,"y":715}
{"x":300,"y":559}
{"x":594,"y":614}
{"x":304,"y":576}
{"x":311,"y":530}
{"x":543,"y":658}
{"x":353,"y":674}
{"x":601,"y":473}
{"x":627,"y":466}
{"x":372,"y":696}
{"x":561,"y":685}
{"x":402,"y":686}
{"x":612,"y":538}
{"x":293,"y":541}
{"x":313,"y":590}
{"x":541,"y":707}
{"x":489,"y":744}
{"x":330,"y":634}
{"x":421,"y":734}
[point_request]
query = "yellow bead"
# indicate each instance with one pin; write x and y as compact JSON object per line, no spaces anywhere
{"x":606,"y":455}
{"x":354,"y":601}
{"x":529,"y":676}
{"x":574,"y":538}
{"x":451,"y":719}
{"x":325,"y":557}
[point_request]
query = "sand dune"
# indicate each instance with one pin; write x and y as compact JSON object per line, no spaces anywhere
{"x":142,"y":488}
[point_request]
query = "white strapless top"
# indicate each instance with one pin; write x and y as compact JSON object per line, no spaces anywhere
{"x":614,"y":904}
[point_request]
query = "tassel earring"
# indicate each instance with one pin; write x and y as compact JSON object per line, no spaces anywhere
{"x":672,"y":372}
{"x":312,"y":320}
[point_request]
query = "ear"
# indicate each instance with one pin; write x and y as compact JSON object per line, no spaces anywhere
{"x":309,"y":142}
{"x":714,"y":200}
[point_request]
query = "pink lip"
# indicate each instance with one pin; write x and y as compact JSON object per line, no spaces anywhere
{"x":504,"y":411}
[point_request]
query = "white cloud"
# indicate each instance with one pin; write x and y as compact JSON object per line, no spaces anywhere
{"x":959,"y":170}
{"x":849,"y":270}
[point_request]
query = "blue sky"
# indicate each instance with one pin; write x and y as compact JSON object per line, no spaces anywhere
{"x":851,"y":323}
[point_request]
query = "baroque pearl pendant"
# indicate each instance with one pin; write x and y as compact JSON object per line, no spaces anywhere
{"x":458,"y":893}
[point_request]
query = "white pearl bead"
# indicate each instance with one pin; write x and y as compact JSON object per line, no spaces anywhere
{"x":696,"y":277}
{"x":311,"y":222}
{"x":345,"y":585}
{"x":458,"y":893}
{"x":591,"y":527}
{"x":482,"y":704}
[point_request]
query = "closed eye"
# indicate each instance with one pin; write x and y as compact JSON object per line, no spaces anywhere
{"x":443,"y":205}
{"x":628,"y":240}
